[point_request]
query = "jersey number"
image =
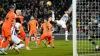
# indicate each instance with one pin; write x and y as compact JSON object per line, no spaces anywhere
{"x":47,"y":28}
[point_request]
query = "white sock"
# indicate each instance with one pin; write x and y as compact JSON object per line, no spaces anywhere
{"x":66,"y":35}
{"x":53,"y":17}
{"x":97,"y":46}
{"x":20,"y":46}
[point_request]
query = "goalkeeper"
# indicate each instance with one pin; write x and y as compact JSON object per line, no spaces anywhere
{"x":92,"y":32}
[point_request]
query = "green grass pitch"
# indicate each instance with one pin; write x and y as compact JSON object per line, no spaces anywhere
{"x":84,"y":47}
{"x":62,"y":48}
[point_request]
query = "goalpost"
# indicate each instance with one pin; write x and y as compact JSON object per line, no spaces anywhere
{"x":74,"y":29}
{"x":86,"y":27}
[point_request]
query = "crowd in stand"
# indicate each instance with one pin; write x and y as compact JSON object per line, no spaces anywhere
{"x":37,"y":8}
{"x":86,"y":10}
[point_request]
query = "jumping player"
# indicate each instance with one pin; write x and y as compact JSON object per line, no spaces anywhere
{"x":62,"y":22}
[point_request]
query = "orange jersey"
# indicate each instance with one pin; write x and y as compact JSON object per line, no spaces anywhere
{"x":21,"y":18}
{"x":32,"y":24}
{"x":10,"y":17}
{"x":6,"y":27}
{"x":22,"y":34}
{"x":47,"y":27}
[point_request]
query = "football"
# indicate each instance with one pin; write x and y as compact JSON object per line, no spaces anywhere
{"x":49,"y":3}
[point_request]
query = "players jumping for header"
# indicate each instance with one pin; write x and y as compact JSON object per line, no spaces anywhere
{"x":13,"y":31}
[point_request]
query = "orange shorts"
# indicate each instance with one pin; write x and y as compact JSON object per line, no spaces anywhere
{"x":6,"y":31}
{"x":22,"y":34}
{"x":32,"y":32}
{"x":46,"y":36}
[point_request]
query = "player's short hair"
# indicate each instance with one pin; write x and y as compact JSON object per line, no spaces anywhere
{"x":18,"y":20}
{"x":18,"y":11}
{"x":32,"y":17}
{"x":68,"y":8}
{"x":11,"y":7}
{"x":35,"y":17}
{"x":45,"y":18}
{"x":49,"y":12}
{"x":49,"y":15}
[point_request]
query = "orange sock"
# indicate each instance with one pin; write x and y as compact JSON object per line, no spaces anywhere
{"x":36,"y":39}
{"x":27,"y":41}
{"x":38,"y":42}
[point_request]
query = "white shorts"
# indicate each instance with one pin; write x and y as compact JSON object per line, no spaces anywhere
{"x":15,"y":39}
{"x":61,"y":23}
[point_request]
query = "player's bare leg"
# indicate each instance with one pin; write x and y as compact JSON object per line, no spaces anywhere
{"x":38,"y":43}
{"x":36,"y":40}
{"x":27,"y":42}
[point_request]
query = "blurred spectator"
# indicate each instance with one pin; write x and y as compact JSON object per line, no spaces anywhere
{"x":36,"y":8}
{"x":86,"y":11}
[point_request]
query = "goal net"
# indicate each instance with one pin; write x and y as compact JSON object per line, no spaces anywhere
{"x":88,"y":27}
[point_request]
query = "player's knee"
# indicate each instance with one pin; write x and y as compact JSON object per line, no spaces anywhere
{"x":30,"y":35}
